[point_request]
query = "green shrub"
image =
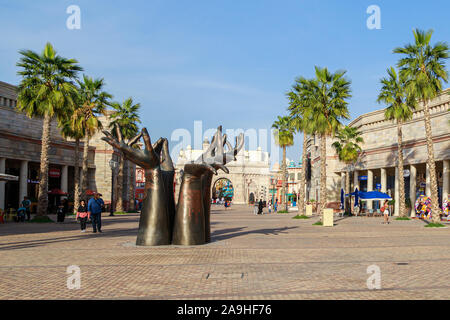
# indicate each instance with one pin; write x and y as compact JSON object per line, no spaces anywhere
{"x":434,"y":225}
{"x":300,"y":217}
{"x":283,"y":211}
{"x":120,"y":213}
{"x":402,"y":218}
{"x":318,"y":223}
{"x":41,"y":219}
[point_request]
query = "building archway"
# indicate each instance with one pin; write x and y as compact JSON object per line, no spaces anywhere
{"x":223,"y":188}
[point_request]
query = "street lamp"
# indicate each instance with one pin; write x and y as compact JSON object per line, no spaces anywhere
{"x":249,"y":182}
{"x":113,"y":165}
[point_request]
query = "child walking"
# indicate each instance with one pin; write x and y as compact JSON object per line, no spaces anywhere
{"x":83,"y":215}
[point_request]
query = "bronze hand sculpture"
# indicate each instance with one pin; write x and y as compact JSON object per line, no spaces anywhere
{"x":154,"y":221}
{"x":160,"y":222}
{"x":216,"y":157}
{"x":192,"y":222}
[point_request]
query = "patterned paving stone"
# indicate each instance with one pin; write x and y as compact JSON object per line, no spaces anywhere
{"x":250,"y":257}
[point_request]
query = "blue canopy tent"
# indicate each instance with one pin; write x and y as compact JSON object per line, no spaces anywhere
{"x":374,"y":195}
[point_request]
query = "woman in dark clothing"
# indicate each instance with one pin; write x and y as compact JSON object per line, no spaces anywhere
{"x":260,"y":207}
{"x":82,"y":215}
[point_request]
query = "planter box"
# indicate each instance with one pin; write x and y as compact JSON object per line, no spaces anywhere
{"x":309,"y":210}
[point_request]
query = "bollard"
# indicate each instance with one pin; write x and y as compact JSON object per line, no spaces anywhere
{"x":309,"y":211}
{"x":328,"y":218}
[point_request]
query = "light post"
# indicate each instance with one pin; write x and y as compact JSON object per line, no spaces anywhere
{"x":113,"y":165}
{"x":248,"y":182}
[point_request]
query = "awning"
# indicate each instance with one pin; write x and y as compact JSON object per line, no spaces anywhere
{"x":8,"y":177}
{"x":57,"y":192}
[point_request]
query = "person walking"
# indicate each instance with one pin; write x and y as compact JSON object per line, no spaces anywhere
{"x":260,"y":206}
{"x":83,"y":215}
{"x":385,"y":211}
{"x":275,"y":207}
{"x":255,"y":207}
{"x":60,"y":213}
{"x":270,"y":207}
{"x":95,"y":206}
{"x":26,"y":203}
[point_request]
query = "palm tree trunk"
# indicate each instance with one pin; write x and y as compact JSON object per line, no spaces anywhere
{"x":284,"y":179}
{"x":435,"y":210}
{"x":401,"y":178}
{"x":323,"y":174}
{"x":43,"y":170}
{"x":76,"y":196}
{"x":84,"y":182}
{"x":131,"y":186}
{"x":301,"y":197}
{"x":119,"y":202}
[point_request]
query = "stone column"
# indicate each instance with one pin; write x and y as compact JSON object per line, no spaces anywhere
{"x":23,"y":180}
{"x":383,"y":180}
{"x":412,"y":188}
{"x":397,"y":193}
{"x":2,"y":183}
{"x":64,"y":178}
{"x":355,"y":181}
{"x":446,"y":180}
{"x":428,"y":182}
{"x":343,"y":179}
{"x":370,"y":187}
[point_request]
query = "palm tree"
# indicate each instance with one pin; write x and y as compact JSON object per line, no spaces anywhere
{"x":92,"y":102}
{"x":297,"y":108}
{"x":284,"y":137}
{"x":401,"y":106}
{"x":348,"y":149}
{"x":46,"y":91}
{"x":423,"y":67}
{"x":126,"y":116}
{"x":68,"y":131}
{"x":326,"y":96}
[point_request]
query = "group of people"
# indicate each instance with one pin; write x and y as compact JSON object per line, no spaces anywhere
{"x":24,"y":210}
{"x":91,"y":212}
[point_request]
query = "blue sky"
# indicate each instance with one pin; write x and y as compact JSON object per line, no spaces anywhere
{"x":220,"y":61}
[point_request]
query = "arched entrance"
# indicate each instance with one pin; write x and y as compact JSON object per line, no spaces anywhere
{"x":223,"y":188}
{"x":251,"y":198}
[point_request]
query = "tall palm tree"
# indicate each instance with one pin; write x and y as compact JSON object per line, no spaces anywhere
{"x":284,"y":137}
{"x":126,"y":116}
{"x":401,"y":106}
{"x":46,"y":91}
{"x":92,"y":101}
{"x":348,"y":149}
{"x":423,"y":67}
{"x":297,"y":107}
{"x":68,"y":131}
{"x":327,"y":96}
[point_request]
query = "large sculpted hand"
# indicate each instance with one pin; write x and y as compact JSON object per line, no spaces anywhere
{"x":154,"y":221}
{"x":149,"y":158}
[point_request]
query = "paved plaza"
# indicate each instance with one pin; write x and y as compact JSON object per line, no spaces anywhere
{"x":251,"y":257}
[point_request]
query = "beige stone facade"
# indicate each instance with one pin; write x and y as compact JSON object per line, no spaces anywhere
{"x":249,"y":174}
{"x":377,"y":164}
{"x":20,"y":150}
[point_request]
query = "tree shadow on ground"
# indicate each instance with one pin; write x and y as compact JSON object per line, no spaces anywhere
{"x":231,"y":233}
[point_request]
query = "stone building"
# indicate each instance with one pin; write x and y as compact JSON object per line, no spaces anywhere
{"x":249,"y":174}
{"x":20,"y":151}
{"x":377,"y":163}
{"x":294,"y":171}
